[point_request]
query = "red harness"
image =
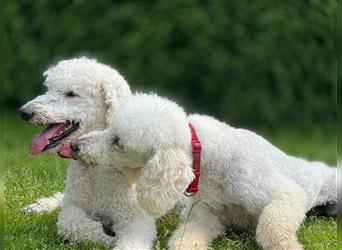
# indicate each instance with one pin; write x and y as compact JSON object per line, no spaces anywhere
{"x":196,"y":162}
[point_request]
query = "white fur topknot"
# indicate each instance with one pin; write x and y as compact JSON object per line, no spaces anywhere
{"x":166,"y":124}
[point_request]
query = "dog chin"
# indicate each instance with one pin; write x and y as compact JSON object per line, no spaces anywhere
{"x":87,"y":160}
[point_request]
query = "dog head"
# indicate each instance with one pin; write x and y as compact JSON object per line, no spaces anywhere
{"x":151,"y":134}
{"x":81,"y":96}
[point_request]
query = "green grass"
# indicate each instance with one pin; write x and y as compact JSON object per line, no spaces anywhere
{"x":28,"y":178}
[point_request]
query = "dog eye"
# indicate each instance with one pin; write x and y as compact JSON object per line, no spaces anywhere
{"x":71,"y":94}
{"x":117,"y":142}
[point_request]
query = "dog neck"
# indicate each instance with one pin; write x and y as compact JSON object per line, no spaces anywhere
{"x":131,"y":174}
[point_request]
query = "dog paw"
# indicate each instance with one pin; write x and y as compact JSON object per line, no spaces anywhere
{"x":286,"y":246}
{"x":34,"y":208}
{"x":186,"y":246}
{"x":44,"y":205}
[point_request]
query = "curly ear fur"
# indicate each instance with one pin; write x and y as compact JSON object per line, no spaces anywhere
{"x":113,"y":95}
{"x":163,"y":179}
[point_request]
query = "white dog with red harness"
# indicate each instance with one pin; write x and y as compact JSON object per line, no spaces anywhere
{"x":245,"y":181}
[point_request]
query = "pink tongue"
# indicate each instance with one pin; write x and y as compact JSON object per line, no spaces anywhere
{"x":66,"y":152}
{"x":42,"y":139}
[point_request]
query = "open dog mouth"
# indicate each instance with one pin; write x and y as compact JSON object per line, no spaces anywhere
{"x":66,"y":151}
{"x":53,"y":135}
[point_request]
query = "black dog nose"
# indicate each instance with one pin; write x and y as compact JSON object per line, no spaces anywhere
{"x":26,"y":116}
{"x":74,"y":146}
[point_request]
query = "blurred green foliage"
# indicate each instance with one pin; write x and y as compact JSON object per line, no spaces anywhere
{"x":248,"y":62}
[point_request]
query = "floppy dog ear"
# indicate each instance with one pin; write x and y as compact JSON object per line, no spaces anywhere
{"x":163,"y":179}
{"x":113,"y":95}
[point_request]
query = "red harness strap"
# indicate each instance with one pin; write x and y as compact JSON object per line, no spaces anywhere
{"x":196,"y":162}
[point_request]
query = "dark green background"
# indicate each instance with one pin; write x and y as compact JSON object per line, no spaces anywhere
{"x":251,"y":63}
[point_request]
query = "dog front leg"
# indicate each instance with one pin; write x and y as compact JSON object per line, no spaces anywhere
{"x":138,"y":235}
{"x":198,"y":229}
{"x":45,"y":205}
{"x":75,"y":225}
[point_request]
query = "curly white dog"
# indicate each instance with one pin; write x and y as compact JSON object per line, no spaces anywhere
{"x":245,"y":181}
{"x":82,"y":96}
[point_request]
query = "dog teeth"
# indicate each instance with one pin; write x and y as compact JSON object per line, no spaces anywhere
{"x":68,"y":125}
{"x":65,"y":129}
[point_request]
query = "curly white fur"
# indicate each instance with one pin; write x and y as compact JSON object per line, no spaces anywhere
{"x":245,"y":181}
{"x":92,"y":199}
{"x":167,"y":170}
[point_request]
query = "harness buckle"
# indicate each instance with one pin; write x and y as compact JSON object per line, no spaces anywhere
{"x":196,"y":146}
{"x":189,"y":194}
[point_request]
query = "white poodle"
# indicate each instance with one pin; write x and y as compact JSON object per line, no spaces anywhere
{"x":245,"y":181}
{"x":82,"y":95}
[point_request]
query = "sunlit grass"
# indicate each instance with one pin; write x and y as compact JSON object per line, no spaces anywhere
{"x":28,"y":178}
